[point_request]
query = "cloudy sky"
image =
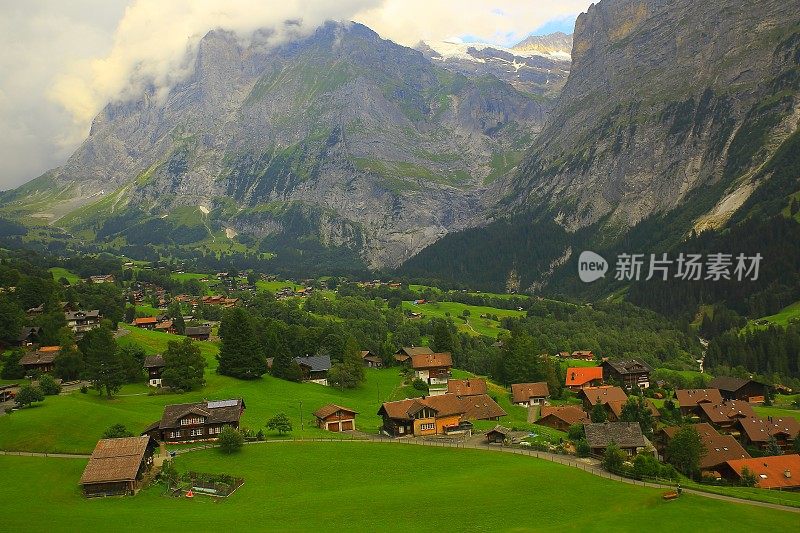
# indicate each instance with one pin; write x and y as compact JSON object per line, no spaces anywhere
{"x":62,"y":61}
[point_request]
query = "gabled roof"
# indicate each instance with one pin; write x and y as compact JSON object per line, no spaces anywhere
{"x":197,"y":330}
{"x":719,"y":448}
{"x":582,"y":375}
{"x":693,"y":397}
{"x":317,"y":363}
{"x":624,"y":434}
{"x":145,"y":320}
{"x":166,"y":324}
{"x":727,"y":411}
{"x":522,"y":392}
{"x":413,"y":350}
{"x":779,"y":471}
{"x":502,"y":430}
{"x":728,"y":383}
{"x":570,"y":414}
{"x":632,"y":366}
{"x":115,"y":460}
{"x":154,"y":361}
{"x":761,"y":429}
{"x":478,"y":407}
{"x":76,"y":315}
{"x":27,"y":332}
{"x":431,"y":360}
{"x":466,"y":387}
{"x":328,"y":410}
{"x":44,"y":356}
{"x":604,"y":394}
{"x":217,"y":412}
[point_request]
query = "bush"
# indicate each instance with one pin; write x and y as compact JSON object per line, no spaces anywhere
{"x":48,"y":385}
{"x":28,"y":395}
{"x":280,"y":423}
{"x":230,"y":440}
{"x":419,"y":384}
{"x":84,"y":389}
{"x":613,"y":459}
{"x":582,"y":448}
{"x":575,"y":432}
{"x":117,"y":431}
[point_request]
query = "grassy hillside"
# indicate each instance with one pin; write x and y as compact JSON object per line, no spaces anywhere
{"x":474,"y":324}
{"x":464,"y":490}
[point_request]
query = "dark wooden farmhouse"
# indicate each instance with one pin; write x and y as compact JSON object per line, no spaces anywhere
{"x":41,"y":360}
{"x":690,"y":399}
{"x":629,"y":374}
{"x":315,"y":368}
{"x":198,"y":333}
{"x":627,"y":435}
{"x":117,"y":466}
{"x":336,"y":418}
{"x":725,"y":415}
{"x":748,"y":390}
{"x":82,"y":321}
{"x":498,"y":435}
{"x":371,"y":360}
{"x":154,"y":364}
{"x":435,"y":415}
{"x":28,"y":336}
{"x":403,"y":355}
{"x":718,"y":448}
{"x":190,"y":422}
{"x":758,"y":432}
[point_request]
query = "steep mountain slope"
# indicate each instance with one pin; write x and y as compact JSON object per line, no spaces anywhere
{"x":341,"y":138}
{"x":676,"y":116}
{"x":664,"y":98}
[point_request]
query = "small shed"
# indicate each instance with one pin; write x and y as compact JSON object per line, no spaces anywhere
{"x":336,"y":418}
{"x":117,"y":466}
{"x":498,"y":435}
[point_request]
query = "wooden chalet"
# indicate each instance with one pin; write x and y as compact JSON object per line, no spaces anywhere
{"x":583,"y":355}
{"x":627,"y":435}
{"x":335,"y":418}
{"x":371,"y":360}
{"x":580,"y":377}
{"x":630,"y":373}
{"x":498,"y":435}
{"x":432,"y":368}
{"x":526,"y":394}
{"x":154,"y":364}
{"x":145,"y":322}
{"x":403,"y":355}
{"x":725,"y":415}
{"x":748,"y":390}
{"x":775,"y":472}
{"x":82,"y":321}
{"x":466,"y":387}
{"x":758,"y":432}
{"x":28,"y":336}
{"x":435,"y":415}
{"x":200,"y":421}
{"x":561,"y":418}
{"x":718,"y":448}
{"x":603,"y":395}
{"x":117,"y":466}
{"x":166,"y":326}
{"x":690,"y":399}
{"x":314,"y":368}
{"x":41,"y":360}
{"x":198,"y":333}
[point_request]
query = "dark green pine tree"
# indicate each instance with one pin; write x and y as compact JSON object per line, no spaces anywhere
{"x":104,"y":368}
{"x":239,"y":355}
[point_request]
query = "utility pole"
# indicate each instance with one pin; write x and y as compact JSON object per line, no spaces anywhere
{"x":301,"y":415}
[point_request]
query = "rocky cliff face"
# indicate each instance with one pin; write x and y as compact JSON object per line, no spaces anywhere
{"x":667,"y":102}
{"x":381,"y":149}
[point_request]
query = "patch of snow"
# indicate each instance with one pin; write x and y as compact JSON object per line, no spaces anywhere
{"x":203,"y":209}
{"x":230,"y":233}
{"x":457,"y":49}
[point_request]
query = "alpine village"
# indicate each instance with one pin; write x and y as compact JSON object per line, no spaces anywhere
{"x":317,"y":272}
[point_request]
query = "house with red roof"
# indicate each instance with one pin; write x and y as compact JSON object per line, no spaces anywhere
{"x":774,"y":472}
{"x":580,"y":377}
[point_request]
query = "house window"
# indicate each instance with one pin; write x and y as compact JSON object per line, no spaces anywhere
{"x":174,"y":434}
{"x":428,"y":426}
{"x":401,"y":430}
{"x":196,"y":432}
{"x":191,"y":421}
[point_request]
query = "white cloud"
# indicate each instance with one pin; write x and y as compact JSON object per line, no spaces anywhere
{"x":60,"y":62}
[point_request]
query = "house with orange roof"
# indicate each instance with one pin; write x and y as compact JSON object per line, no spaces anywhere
{"x":436,"y":415}
{"x":42,"y":360}
{"x":145,"y":322}
{"x":774,"y":472}
{"x":580,"y":377}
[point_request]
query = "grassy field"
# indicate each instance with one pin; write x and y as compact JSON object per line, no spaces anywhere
{"x":73,"y":423}
{"x":781,"y":318}
{"x":474,"y":324}
{"x":776,"y":412}
{"x":59,"y":273}
{"x":369,"y":487}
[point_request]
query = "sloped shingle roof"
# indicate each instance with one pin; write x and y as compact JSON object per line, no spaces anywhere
{"x":522,"y":392}
{"x":431,"y":360}
{"x":115,"y":460}
{"x":582,"y":375}
{"x":693,"y":397}
{"x":466,"y":387}
{"x":624,"y":434}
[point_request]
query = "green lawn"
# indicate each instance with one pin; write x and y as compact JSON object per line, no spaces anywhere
{"x":781,"y":318}
{"x":59,"y":273}
{"x":474,"y":325}
{"x":776,"y":412}
{"x":275,"y":286}
{"x":369,"y":487}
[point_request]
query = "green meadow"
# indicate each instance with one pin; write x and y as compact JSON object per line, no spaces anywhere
{"x":473,"y":324}
{"x":357,"y":486}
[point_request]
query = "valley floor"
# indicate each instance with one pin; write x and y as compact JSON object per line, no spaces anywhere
{"x":354,"y":486}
